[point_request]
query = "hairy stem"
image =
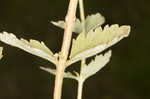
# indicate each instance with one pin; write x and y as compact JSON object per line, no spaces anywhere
{"x":70,"y":18}
{"x":82,"y":16}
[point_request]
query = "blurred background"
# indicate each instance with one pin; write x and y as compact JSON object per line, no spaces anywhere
{"x":127,"y":76}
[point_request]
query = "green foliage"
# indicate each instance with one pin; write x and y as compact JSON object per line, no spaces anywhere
{"x":86,"y":70}
{"x":91,"y":22}
{"x":96,"y":41}
{"x":94,"y":66}
{"x":33,"y":47}
{"x":93,"y":43}
{"x":84,"y":46}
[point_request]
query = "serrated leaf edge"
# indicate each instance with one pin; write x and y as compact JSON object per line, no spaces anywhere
{"x":95,"y":50}
{"x":23,"y":44}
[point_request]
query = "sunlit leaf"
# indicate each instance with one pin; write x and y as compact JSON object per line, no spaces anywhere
{"x":91,"y":22}
{"x":1,"y":49}
{"x":95,"y":65}
{"x":96,"y":41}
{"x":34,"y":47}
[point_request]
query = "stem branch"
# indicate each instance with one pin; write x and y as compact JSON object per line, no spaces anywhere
{"x":70,"y":18}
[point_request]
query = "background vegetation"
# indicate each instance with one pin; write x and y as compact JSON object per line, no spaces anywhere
{"x":125,"y":77}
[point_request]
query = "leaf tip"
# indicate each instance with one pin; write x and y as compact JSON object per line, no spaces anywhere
{"x":126,"y":30}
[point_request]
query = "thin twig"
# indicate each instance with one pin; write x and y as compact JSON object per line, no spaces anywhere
{"x":70,"y":18}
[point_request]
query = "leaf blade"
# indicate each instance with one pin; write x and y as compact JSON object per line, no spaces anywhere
{"x":95,"y":65}
{"x":93,"y":21}
{"x":33,"y":47}
{"x":97,"y":41}
{"x":77,"y":27}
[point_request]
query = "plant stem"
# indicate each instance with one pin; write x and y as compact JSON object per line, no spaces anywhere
{"x":80,"y":87}
{"x":82,"y":16}
{"x":70,"y":18}
{"x":59,"y":81}
{"x":81,"y":80}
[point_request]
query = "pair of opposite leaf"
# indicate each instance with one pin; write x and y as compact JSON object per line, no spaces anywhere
{"x":96,"y":40}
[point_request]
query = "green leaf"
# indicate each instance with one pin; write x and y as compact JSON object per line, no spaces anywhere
{"x":66,"y":74}
{"x":34,"y":47}
{"x":91,"y":22}
{"x":96,"y":41}
{"x":1,"y":49}
{"x":52,"y":71}
{"x":95,"y":65}
{"x":77,"y":28}
{"x":86,"y":70}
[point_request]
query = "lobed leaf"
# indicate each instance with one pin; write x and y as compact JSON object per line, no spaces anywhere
{"x":95,"y":65}
{"x":96,"y":41}
{"x":91,"y":22}
{"x":33,"y":47}
{"x":1,"y":49}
